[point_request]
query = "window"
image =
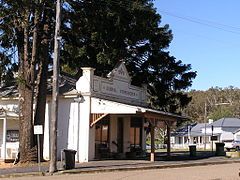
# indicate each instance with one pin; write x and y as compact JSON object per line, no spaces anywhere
{"x":102,"y":132}
{"x":12,"y":136}
{"x":179,"y":140}
{"x":136,"y":132}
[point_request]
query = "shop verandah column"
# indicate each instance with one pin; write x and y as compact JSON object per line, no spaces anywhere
{"x":168,"y":141}
{"x":152,"y":156}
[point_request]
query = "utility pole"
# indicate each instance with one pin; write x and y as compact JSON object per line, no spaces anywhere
{"x":205,"y":124}
{"x":55,"y":91}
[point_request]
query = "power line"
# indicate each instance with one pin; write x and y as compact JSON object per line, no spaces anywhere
{"x":223,"y":27}
{"x":219,"y":41}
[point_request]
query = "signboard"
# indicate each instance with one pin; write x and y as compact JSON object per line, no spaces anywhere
{"x":214,"y":138}
{"x":12,"y":136}
{"x":38,"y":129}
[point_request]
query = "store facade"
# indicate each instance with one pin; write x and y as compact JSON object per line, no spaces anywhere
{"x":104,"y":117}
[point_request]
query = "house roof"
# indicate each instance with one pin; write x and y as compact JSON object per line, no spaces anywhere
{"x":182,"y":131}
{"x":226,"y":122}
{"x":67,"y":83}
{"x":197,"y":130}
{"x":237,"y":130}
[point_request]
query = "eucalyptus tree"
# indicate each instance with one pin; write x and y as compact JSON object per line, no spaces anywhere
{"x":25,"y":28}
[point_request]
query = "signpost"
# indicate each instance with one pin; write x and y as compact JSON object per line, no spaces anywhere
{"x":38,"y":129}
{"x":212,"y":138}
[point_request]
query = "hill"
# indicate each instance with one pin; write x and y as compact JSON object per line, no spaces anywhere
{"x":213,"y":103}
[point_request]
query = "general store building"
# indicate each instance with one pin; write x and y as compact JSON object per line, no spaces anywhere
{"x":98,"y":117}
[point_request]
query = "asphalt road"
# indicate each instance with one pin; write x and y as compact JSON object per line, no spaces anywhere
{"x":210,"y":172}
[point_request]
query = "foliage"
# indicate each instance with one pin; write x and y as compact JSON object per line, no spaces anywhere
{"x":99,"y":33}
{"x":220,"y":102}
{"x":25,"y":47}
{"x":96,"y":33}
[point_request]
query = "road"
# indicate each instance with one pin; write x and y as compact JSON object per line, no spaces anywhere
{"x":211,"y":172}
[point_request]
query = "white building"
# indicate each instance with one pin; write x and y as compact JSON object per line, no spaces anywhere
{"x":100,"y":117}
{"x":190,"y":134}
{"x":222,"y":130}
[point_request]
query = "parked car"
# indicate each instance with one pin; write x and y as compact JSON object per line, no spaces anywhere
{"x":233,"y":145}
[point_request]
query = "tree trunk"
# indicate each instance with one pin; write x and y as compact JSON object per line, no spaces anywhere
{"x":25,"y":105}
{"x":41,"y":93}
{"x":25,"y":125}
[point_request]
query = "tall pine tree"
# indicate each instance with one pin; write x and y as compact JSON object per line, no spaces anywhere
{"x":96,"y":33}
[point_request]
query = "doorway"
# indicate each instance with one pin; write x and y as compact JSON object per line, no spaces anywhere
{"x":102,"y":139}
{"x":120,"y":135}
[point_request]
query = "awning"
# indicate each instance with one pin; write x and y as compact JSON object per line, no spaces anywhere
{"x":101,"y":108}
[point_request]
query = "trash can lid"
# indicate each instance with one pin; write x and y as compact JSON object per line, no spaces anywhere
{"x":69,"y":150}
{"x":192,"y":145}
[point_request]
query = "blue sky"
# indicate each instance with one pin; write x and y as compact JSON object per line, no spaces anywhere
{"x":207,"y":36}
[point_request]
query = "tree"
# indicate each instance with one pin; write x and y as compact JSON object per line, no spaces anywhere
{"x":220,"y":102}
{"x":100,"y":33}
{"x":7,"y":69}
{"x":25,"y":28}
{"x":96,"y":33}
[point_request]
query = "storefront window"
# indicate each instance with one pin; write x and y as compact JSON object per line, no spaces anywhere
{"x":102,"y":139}
{"x":101,"y":133}
{"x":135,"y":136}
{"x":136,"y":132}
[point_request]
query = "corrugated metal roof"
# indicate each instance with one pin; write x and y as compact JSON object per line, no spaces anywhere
{"x":195,"y":130}
{"x":226,"y":122}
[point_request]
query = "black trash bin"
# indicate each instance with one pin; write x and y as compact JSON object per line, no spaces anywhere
{"x":220,"y":149}
{"x":192,"y":150}
{"x":69,"y":158}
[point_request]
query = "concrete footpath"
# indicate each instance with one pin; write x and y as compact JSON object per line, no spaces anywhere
{"x":176,"y":161}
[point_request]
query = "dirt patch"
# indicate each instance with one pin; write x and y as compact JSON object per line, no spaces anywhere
{"x":11,"y":165}
{"x":6,"y":165}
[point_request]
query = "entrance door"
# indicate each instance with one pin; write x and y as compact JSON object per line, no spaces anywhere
{"x":102,"y":139}
{"x":120,"y":135}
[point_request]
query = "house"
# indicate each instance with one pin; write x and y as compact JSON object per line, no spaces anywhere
{"x":222,"y":130}
{"x":98,"y":117}
{"x":10,"y":138}
{"x":188,"y":135}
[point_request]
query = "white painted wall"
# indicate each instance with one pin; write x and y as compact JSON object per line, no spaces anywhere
{"x":85,"y":109}
{"x":46,"y":140}
{"x":226,"y":136}
{"x":11,"y":147}
{"x":73,"y":127}
{"x":216,"y":130}
{"x":64,"y":109}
